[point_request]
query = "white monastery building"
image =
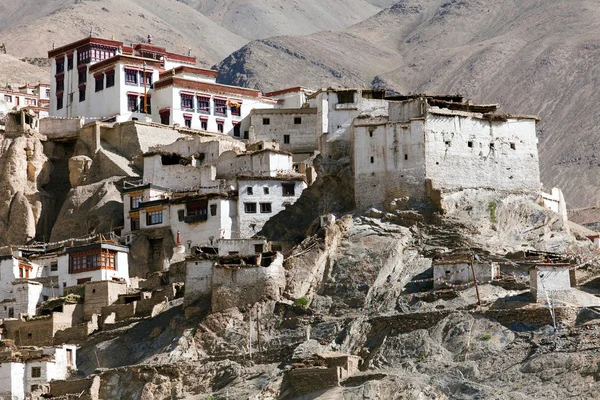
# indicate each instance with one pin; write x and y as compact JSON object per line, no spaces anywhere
{"x":105,"y":80}
{"x":429,"y":145}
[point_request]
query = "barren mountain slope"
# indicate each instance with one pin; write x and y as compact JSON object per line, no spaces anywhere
{"x":173,"y":25}
{"x":255,"y":19}
{"x":17,"y":72}
{"x":539,"y":57}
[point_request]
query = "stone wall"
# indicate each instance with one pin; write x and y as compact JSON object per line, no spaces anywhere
{"x":234,"y":287}
{"x":76,"y":386}
{"x":101,"y":294}
{"x":306,"y":380}
{"x":60,"y":128}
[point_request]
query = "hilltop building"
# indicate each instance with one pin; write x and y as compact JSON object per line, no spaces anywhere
{"x":428,"y":145}
{"x":105,"y":80}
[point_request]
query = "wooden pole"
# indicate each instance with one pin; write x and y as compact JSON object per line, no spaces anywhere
{"x":258,"y":327}
{"x":475,"y":281}
{"x":145,"y":92}
{"x":250,"y":334}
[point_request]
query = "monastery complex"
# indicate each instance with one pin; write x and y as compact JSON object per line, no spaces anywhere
{"x":205,"y":167}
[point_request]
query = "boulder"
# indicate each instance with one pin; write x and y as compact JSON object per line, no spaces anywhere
{"x":78,"y":169}
{"x":20,"y":227}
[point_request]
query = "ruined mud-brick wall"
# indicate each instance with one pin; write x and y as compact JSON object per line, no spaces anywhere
{"x":122,"y":312}
{"x":306,"y":380}
{"x":234,"y":287}
{"x":101,"y":294}
{"x":76,"y":334}
{"x":131,"y":138}
{"x":60,"y":128}
{"x":30,"y":333}
{"x":78,"y":386}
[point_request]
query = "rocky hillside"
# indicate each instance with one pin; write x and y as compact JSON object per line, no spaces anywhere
{"x":16,"y":73}
{"x":364,"y":282}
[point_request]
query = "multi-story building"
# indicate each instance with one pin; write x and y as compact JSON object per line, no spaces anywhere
{"x":103,"y":79}
{"x":34,"y":98}
{"x":232,"y":198}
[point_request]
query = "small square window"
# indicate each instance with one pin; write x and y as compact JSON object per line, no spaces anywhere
{"x":266,"y":190}
{"x":372,"y":160}
{"x":288,"y":189}
{"x":470,"y":144}
{"x":250,"y":190}
{"x":220,"y":127}
{"x":297,"y":120}
{"x":180,"y":215}
{"x":447,"y":142}
{"x":250,"y":208}
{"x":213,"y":210}
{"x":286,"y":139}
{"x":36,"y":372}
{"x":266,"y":121}
{"x":406,"y":156}
{"x":82,"y":94}
{"x":265,"y":208}
{"x":491,"y":146}
{"x":513,"y":146}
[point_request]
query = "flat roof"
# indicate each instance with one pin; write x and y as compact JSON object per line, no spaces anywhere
{"x":93,"y":246}
{"x":88,"y":40}
{"x":145,"y":186}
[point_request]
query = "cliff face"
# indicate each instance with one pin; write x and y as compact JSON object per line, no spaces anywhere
{"x":24,"y":169}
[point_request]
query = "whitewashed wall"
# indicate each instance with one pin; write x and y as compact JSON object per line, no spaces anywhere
{"x":503,"y":155}
{"x":198,"y":280}
{"x":220,"y":225}
{"x":251,"y":223}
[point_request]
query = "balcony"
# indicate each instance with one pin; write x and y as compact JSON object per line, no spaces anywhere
{"x":192,"y":219}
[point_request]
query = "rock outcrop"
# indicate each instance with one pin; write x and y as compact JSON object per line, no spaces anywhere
{"x":24,"y":169}
{"x":93,"y":208}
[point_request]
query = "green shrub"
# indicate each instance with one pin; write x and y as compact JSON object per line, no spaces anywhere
{"x":486,"y":336}
{"x":492,"y":211}
{"x":302,"y":301}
